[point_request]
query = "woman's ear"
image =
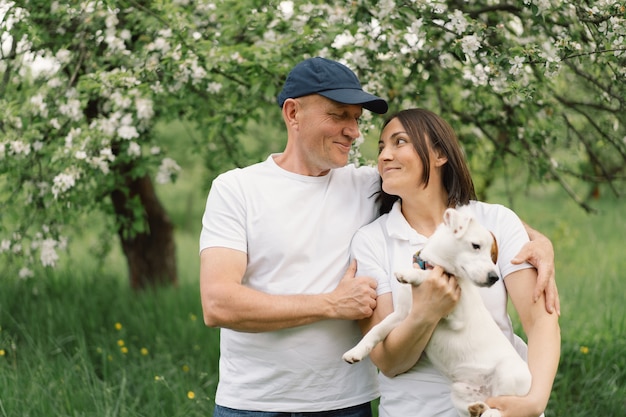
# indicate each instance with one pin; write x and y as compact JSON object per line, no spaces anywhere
{"x":440,"y":158}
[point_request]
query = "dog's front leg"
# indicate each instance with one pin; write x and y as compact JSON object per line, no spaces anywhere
{"x":378,"y":333}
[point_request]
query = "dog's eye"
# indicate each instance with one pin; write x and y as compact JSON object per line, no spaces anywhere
{"x":476,"y":246}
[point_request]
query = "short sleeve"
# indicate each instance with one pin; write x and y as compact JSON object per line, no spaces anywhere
{"x":224,"y":218}
{"x":371,"y":253}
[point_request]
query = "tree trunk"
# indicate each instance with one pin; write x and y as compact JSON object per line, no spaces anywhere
{"x":151,"y":254}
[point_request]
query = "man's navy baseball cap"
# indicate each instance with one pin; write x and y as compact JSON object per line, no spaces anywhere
{"x":331,"y":80}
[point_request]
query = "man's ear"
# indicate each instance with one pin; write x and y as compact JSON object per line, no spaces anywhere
{"x":290,"y":111}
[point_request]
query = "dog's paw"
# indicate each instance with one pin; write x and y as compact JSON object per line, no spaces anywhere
{"x":477,"y":409}
{"x":354,"y":355}
{"x":413,"y":277}
{"x":400,"y":277}
{"x":480,"y":409}
{"x":406,"y":277}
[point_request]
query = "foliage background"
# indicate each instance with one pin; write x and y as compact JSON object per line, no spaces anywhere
{"x":535,"y":89}
{"x":540,"y":81}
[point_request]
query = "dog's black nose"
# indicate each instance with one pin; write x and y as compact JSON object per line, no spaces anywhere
{"x":492,"y":278}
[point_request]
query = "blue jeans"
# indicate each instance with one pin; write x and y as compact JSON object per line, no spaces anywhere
{"x":363,"y":410}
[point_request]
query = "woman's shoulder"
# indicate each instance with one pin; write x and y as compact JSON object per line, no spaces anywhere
{"x":376,"y":227}
{"x":488,"y":212}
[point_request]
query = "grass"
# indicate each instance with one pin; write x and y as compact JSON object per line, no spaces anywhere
{"x":590,"y":264}
{"x":79,"y":342}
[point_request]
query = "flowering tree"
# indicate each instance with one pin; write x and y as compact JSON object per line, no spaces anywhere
{"x":538,"y":81}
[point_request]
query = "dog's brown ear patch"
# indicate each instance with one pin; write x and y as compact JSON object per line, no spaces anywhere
{"x":494,"y":249}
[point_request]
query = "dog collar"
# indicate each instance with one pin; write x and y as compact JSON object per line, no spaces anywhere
{"x":420,"y":262}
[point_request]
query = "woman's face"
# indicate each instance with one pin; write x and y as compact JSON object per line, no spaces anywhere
{"x":399,"y":165}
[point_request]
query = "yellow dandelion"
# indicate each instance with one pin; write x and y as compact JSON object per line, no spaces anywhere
{"x":193,"y":317}
{"x":118,"y":326}
{"x":584,"y":350}
{"x":120,"y":343}
{"x":144,"y":351}
{"x":2,"y":352}
{"x":124,"y":350}
{"x":158,"y":378}
{"x":191,"y":395}
{"x":185,"y":368}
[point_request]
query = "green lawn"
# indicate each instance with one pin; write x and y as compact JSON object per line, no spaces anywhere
{"x":79,"y":342}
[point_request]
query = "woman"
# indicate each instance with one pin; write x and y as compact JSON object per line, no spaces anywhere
{"x":423,"y":172}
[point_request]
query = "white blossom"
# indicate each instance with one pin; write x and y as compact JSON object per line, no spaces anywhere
{"x":54,"y":82}
{"x":127,"y":132}
{"x":470,"y":44}
{"x":343,"y":39}
{"x":286,"y":8}
{"x":479,"y":75}
{"x":457,"y":22}
{"x":159,"y":45}
{"x":41,"y":108}
{"x":62,"y":182}
{"x":214,"y":87}
{"x":107,"y":153}
{"x":5,"y":245}
{"x":111,"y":20}
{"x":48,"y":254}
{"x":17,"y":147}
{"x":134,"y":149}
{"x":71,"y":109}
{"x":121,"y":101}
{"x":25,"y":273}
{"x":517,"y":63}
{"x":63,"y":56}
{"x":16,"y":248}
{"x":167,"y":168}
{"x":73,"y":133}
{"x":100,"y":163}
{"x":144,"y":108}
{"x":108,"y":126}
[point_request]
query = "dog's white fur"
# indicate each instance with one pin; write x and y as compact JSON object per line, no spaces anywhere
{"x":467,"y":346}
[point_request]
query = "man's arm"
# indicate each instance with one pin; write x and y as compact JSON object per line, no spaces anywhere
{"x":229,"y":304}
{"x":540,"y":253}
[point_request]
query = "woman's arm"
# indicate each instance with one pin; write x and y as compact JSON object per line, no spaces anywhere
{"x":544,"y":347}
{"x":432,"y":300}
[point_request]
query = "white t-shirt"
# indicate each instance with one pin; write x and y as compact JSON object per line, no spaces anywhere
{"x":387,"y":245}
{"x":296,"y":231}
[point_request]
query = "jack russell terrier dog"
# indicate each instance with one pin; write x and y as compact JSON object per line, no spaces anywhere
{"x":467,"y":346}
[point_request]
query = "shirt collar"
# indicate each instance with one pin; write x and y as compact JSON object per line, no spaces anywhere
{"x":399,"y":228}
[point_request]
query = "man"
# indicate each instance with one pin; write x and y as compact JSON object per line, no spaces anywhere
{"x":274,"y":272}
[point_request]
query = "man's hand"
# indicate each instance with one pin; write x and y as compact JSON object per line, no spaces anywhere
{"x":539,"y":252}
{"x":355,"y":297}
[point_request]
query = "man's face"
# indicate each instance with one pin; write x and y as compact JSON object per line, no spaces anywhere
{"x":326,"y":131}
